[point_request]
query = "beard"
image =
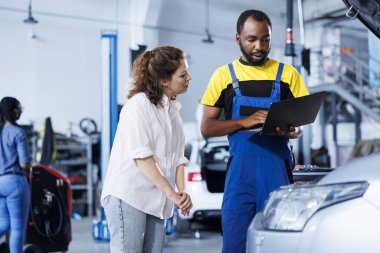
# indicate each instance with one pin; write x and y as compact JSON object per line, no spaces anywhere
{"x":249,"y":56}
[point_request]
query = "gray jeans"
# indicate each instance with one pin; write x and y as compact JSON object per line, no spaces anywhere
{"x":133,"y":231}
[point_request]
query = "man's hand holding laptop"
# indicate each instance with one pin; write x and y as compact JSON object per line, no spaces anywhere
{"x":256,"y":119}
{"x":292,"y":132}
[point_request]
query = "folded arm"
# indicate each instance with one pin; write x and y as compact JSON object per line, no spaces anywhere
{"x":149,"y":168}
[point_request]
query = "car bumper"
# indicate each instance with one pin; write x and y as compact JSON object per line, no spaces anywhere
{"x":349,"y":227}
{"x":261,"y":240}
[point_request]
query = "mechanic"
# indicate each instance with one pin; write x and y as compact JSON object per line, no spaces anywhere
{"x":14,"y":163}
{"x":244,"y":89}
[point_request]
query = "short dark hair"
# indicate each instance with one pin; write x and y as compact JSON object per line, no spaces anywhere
{"x":7,"y":106}
{"x":255,"y":15}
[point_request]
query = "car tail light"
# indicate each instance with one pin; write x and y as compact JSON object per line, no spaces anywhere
{"x":194,"y":177}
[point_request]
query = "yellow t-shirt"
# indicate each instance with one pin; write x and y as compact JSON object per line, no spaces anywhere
{"x":254,"y":81}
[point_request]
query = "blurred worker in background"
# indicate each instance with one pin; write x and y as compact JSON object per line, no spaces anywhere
{"x":14,"y":164}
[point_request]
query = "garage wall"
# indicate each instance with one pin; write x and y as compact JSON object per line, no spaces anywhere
{"x":57,"y":74}
{"x":205,"y":58}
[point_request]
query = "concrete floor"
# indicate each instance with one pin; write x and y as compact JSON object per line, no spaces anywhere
{"x":210,"y":241}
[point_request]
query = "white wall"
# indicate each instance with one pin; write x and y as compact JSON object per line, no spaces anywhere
{"x":58,"y":74}
{"x":205,"y":58}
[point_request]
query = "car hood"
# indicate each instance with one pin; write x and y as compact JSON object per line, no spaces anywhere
{"x":368,"y":12}
{"x":361,"y":169}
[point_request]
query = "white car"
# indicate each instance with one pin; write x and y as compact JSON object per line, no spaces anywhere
{"x":340,"y":213}
{"x":204,"y":180}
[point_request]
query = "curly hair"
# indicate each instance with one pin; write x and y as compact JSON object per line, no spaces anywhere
{"x":256,"y":15}
{"x":152,"y":67}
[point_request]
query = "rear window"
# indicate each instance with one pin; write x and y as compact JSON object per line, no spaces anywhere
{"x":188,"y":150}
{"x":216,"y":155}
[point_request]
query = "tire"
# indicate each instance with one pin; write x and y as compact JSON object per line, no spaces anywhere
{"x":31,"y":248}
{"x":181,"y":225}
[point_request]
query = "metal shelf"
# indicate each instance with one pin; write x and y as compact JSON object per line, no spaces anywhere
{"x":76,"y":145}
{"x":71,"y":162}
{"x":79,"y":201}
{"x":79,"y":187}
{"x":71,"y":147}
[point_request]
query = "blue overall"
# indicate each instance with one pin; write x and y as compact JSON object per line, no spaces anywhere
{"x":257,"y":167}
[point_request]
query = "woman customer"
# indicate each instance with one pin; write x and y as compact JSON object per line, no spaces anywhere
{"x":14,"y":163}
{"x":147,"y":158}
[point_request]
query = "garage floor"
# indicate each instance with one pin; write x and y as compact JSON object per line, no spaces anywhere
{"x":210,"y":241}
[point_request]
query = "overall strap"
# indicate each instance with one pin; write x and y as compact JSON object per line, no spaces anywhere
{"x":279,"y":72}
{"x":276,"y":85}
{"x":235,"y":81}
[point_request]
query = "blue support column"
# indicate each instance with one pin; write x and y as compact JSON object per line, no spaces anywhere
{"x":109,"y":116}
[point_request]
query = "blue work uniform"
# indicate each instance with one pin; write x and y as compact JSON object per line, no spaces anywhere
{"x":258,"y":165}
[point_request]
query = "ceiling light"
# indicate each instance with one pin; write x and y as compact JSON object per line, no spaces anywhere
{"x":30,"y":19}
{"x":208,"y":38}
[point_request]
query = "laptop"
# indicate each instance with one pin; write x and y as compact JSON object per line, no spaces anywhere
{"x":291,"y":112}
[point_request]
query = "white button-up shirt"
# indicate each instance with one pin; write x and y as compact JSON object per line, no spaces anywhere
{"x":145,"y":130}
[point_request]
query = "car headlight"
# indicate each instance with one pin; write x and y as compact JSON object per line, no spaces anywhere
{"x":290,"y":207}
